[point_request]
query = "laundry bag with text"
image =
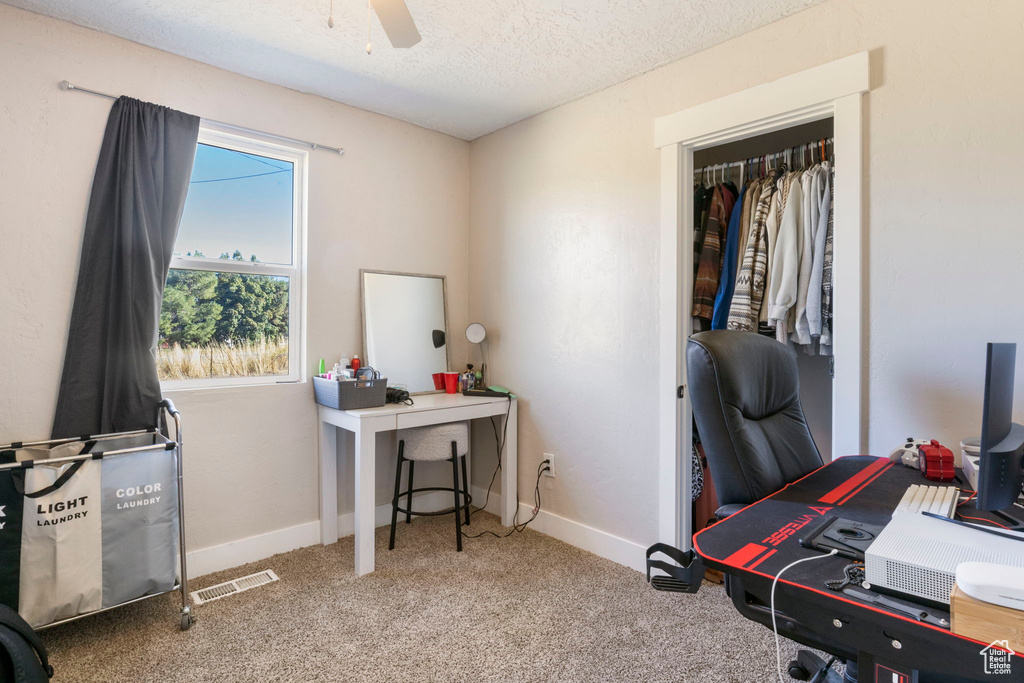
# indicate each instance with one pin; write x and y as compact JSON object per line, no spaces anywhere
{"x":12,"y":486}
{"x":140,"y":524}
{"x":61,"y":561}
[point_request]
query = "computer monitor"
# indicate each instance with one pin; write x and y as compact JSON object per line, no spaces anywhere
{"x":1001,"y":471}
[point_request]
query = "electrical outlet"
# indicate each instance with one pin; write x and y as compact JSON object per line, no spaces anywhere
{"x":550,"y":457}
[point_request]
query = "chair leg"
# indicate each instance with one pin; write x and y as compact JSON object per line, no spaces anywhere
{"x":465,"y":489}
{"x":455,"y":488}
{"x":394,"y":501}
{"x":408,"y":500}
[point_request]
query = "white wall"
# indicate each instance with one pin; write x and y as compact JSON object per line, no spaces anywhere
{"x":564,"y":240}
{"x":398,"y":200}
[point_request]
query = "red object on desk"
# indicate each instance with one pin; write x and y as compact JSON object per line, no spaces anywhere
{"x":936,"y":461}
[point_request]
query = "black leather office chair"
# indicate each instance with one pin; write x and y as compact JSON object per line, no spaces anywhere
{"x":745,"y":393}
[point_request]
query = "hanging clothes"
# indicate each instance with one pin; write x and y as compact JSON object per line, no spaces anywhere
{"x":749,"y":204}
{"x":811,"y":187}
{"x":750,"y":281}
{"x":727,"y":281}
{"x":778,"y":208}
{"x":763,"y":253}
{"x":825,"y":346}
{"x":711,"y":255}
{"x":699,"y":194}
{"x":814,"y":288}
{"x":785,"y":268}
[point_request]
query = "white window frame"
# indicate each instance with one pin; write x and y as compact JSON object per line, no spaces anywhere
{"x":296,"y":272}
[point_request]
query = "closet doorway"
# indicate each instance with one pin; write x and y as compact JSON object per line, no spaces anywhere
{"x":797,"y":148}
{"x":820,"y":103}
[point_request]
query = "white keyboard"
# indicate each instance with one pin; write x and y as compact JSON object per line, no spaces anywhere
{"x":939,"y":500}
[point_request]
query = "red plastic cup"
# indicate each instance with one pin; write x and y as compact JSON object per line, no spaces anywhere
{"x":438,"y":380}
{"x":451,"y":382}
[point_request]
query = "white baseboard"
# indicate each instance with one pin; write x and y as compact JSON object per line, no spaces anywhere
{"x":235,"y":553}
{"x":601,"y":543}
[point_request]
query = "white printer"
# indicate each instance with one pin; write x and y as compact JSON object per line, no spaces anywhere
{"x":918,"y":555}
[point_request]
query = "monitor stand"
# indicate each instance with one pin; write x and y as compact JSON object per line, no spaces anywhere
{"x":1009,"y":520}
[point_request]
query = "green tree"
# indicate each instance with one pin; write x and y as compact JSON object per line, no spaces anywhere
{"x":200,"y":307}
{"x":254,"y":307}
{"x":190,"y":311}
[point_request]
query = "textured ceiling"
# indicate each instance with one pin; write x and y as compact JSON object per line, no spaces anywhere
{"x":482,"y":64}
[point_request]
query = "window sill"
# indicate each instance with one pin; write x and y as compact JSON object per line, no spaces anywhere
{"x":183,"y":386}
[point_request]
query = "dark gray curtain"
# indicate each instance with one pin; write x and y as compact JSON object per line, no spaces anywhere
{"x":109,"y":382}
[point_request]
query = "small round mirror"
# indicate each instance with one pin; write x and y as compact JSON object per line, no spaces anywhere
{"x":476,"y":333}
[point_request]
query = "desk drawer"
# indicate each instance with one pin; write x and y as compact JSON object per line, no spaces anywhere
{"x":433,"y":417}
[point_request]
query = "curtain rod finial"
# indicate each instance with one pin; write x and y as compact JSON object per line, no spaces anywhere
{"x":64,"y":85}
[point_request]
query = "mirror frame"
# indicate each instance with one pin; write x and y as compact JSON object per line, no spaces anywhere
{"x":444,"y":295}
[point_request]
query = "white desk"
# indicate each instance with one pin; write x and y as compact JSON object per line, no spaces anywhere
{"x":364,"y":424}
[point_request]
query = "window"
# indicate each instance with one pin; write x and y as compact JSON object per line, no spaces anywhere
{"x":233,"y":303}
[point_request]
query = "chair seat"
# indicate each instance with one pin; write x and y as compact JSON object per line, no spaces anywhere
{"x":434,"y":442}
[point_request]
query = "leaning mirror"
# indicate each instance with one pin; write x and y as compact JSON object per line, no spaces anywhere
{"x":405,"y":327}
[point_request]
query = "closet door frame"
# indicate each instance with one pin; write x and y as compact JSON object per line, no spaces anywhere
{"x":834,"y":90}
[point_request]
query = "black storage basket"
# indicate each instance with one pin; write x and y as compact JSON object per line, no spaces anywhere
{"x":350,"y":394}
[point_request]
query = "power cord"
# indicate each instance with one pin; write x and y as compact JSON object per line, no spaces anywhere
{"x":520,"y":527}
{"x":543,"y":467}
{"x":775,"y":628}
{"x":500,"y":446}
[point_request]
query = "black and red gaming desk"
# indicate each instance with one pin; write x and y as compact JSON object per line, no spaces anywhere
{"x":753,"y":545}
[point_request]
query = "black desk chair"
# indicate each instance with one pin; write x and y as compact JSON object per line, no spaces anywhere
{"x":745,"y":393}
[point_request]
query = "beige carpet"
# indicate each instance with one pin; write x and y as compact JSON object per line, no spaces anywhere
{"x":524,"y":608}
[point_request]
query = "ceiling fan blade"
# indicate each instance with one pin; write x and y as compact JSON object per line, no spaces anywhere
{"x":397,"y":22}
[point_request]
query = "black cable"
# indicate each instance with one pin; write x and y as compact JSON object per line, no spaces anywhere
{"x":521,"y":526}
{"x":500,"y":446}
{"x":240,"y":177}
{"x":536,"y":490}
{"x":262,"y":160}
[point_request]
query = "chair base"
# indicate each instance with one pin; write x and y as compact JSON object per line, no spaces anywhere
{"x":468,"y":499}
{"x":458,"y":507}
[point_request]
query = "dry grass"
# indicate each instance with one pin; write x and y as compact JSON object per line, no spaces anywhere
{"x":245,"y":359}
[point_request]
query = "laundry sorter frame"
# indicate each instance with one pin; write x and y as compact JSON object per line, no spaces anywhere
{"x":162,"y":442}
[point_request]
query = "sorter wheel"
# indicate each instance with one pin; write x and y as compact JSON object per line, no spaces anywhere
{"x":186,"y":621}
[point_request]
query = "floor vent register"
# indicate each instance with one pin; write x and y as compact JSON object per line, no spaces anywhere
{"x":223,"y":590}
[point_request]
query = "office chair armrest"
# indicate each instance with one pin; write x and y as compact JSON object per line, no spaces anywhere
{"x":728,"y":511}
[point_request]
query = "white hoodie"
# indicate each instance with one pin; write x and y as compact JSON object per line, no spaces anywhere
{"x":785,"y":270}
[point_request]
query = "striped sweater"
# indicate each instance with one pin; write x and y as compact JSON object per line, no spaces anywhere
{"x":750,"y":282}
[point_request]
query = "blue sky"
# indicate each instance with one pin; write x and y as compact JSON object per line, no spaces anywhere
{"x":238,"y":201}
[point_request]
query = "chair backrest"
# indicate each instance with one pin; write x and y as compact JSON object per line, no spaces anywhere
{"x":745,"y":393}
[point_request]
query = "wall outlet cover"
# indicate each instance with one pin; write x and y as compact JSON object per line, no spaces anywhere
{"x":550,"y":457}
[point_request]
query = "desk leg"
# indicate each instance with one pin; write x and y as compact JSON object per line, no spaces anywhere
{"x":365,"y":465}
{"x":328,"y":483}
{"x":510,"y":468}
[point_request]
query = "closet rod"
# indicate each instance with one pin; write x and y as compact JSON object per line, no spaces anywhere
{"x":64,"y":85}
{"x":772,"y":155}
